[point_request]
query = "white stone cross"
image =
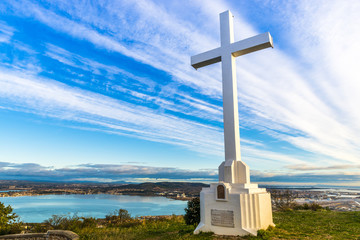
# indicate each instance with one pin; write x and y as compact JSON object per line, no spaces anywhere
{"x":226,"y":54}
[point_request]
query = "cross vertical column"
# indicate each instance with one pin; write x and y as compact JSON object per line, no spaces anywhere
{"x":229,"y":89}
{"x":234,"y":193}
{"x":232,"y":170}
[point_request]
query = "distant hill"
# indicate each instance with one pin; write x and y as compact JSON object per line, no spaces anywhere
{"x":167,"y":189}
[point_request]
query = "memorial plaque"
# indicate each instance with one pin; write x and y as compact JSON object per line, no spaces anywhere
{"x":220,"y":192}
{"x":222,"y":218}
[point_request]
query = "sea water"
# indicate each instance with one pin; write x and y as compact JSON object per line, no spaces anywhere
{"x":36,"y":209}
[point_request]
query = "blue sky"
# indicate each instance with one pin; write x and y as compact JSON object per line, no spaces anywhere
{"x":104,"y":91}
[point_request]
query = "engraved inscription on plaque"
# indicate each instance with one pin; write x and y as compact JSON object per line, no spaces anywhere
{"x":220,"y":192}
{"x":222,"y":218}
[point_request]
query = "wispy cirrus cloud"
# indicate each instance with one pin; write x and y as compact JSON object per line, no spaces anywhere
{"x":6,"y":32}
{"x":53,"y":99}
{"x":146,"y":45}
{"x":193,"y":106}
{"x":317,"y":168}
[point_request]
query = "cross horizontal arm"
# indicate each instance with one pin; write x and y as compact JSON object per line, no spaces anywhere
{"x":252,"y":44}
{"x":206,"y":58}
{"x":239,"y":48}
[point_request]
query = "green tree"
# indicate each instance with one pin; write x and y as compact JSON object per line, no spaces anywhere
{"x":119,"y":217}
{"x":283,"y":199}
{"x":9,"y":221}
{"x":192,"y":212}
{"x":124,"y":215}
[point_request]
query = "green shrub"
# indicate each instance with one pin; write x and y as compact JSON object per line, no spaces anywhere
{"x":71,"y":223}
{"x":315,"y":206}
{"x":9,"y":221}
{"x":305,"y":206}
{"x":263,"y":234}
{"x":266,"y":234}
{"x":36,"y":227}
{"x":192,"y":212}
{"x":122,"y":218}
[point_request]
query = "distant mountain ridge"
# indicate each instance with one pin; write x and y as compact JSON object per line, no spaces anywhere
{"x":167,"y":189}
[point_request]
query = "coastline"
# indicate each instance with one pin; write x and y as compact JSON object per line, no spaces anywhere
{"x":71,"y":192}
{"x":172,"y":190}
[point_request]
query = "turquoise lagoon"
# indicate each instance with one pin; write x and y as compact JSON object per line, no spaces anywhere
{"x":39,"y":208}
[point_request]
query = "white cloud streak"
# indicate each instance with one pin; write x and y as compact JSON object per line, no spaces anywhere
{"x":50,"y":98}
{"x":6,"y":32}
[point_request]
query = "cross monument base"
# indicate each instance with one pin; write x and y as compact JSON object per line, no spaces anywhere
{"x":234,"y":208}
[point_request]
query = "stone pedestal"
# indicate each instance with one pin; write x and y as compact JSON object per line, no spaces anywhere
{"x":234,"y":208}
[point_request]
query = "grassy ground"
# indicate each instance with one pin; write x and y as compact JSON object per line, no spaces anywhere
{"x":316,"y":225}
{"x":289,"y":225}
